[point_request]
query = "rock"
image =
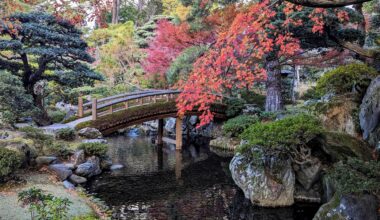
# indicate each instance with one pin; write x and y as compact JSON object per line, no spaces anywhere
{"x":225,"y":143}
{"x":267,"y":180}
{"x":170,"y":125}
{"x":251,"y":109}
{"x":44,"y":160}
{"x":77,"y":179}
{"x":307,"y":196}
{"x":78,"y":157}
{"x":90,"y":168}
{"x":116,"y":167}
{"x":340,"y":146}
{"x":338,"y":115}
{"x":369,"y":115}
{"x":4,"y":135}
{"x":102,"y":141}
{"x":309,"y":172}
{"x":193,"y":120}
{"x":22,"y":148}
{"x":61,"y":171}
{"x":68,"y":185}
{"x":70,"y":166}
{"x":355,"y":207}
{"x":90,"y":133}
{"x":105,"y":164}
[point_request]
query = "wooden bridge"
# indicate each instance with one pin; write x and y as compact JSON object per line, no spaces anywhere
{"x":113,"y":113}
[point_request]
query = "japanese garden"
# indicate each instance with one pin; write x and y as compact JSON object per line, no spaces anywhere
{"x":179,"y":109}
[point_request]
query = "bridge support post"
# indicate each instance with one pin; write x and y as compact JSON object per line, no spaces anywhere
{"x":160,"y":132}
{"x":178,"y":133}
{"x":126,"y":105}
{"x":80,"y":107}
{"x":94,"y":106}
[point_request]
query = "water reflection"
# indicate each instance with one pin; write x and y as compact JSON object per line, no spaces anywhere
{"x":162,"y":183}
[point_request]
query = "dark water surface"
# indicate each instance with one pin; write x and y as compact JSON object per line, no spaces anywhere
{"x":162,"y":183}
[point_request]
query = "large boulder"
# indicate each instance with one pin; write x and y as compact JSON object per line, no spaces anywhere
{"x":308,"y":172}
{"x":268,"y":180}
{"x":369,"y":115}
{"x":225,"y":143}
{"x":340,"y":115}
{"x":339,"y":146}
{"x":77,"y":179}
{"x":45,"y":160}
{"x":78,"y":157}
{"x":355,"y":207}
{"x":90,"y":133}
{"x":90,"y":168}
{"x":61,"y":171}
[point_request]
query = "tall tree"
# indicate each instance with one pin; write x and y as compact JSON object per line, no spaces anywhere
{"x":115,"y":11}
{"x":38,"y":46}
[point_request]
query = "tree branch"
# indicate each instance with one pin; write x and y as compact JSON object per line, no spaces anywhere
{"x":326,"y":3}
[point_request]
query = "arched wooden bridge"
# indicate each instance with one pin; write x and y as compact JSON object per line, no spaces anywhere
{"x":120,"y":111}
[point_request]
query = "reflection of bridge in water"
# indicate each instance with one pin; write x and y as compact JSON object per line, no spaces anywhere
{"x":116,"y":112}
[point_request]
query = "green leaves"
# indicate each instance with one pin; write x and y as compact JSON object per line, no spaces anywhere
{"x":9,"y":162}
{"x":287,"y":133}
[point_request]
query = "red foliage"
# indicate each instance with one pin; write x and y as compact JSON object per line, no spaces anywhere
{"x":169,"y":42}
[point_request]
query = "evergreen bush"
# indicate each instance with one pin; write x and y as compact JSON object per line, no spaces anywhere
{"x":346,"y":78}
{"x":94,"y":149}
{"x":235,"y":126}
{"x":9,"y":162}
{"x":67,"y":134}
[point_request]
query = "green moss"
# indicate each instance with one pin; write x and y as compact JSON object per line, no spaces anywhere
{"x":287,"y":133}
{"x":355,"y":175}
{"x":235,"y":126}
{"x":344,"y":78}
{"x":9,"y":162}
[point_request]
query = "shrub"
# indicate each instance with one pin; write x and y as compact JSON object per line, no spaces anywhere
{"x":44,"y":206}
{"x":235,"y":126}
{"x":311,"y":93}
{"x":58,"y":149}
{"x":9,"y":162}
{"x":41,"y":139}
{"x":56,"y":115}
{"x":355,"y":175}
{"x":67,"y":134}
{"x":234,"y":107}
{"x":288,"y":133}
{"x":94,"y":149}
{"x":344,"y":78}
{"x":253,"y":98}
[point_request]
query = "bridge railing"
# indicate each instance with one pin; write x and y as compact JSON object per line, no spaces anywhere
{"x":109,"y":105}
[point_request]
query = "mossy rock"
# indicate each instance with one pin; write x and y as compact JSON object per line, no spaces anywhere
{"x":340,"y":146}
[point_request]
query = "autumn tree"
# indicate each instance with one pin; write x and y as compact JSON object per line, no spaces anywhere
{"x":38,"y":47}
{"x":261,"y":39}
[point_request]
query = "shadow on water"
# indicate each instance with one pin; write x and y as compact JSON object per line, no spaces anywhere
{"x":162,"y":183}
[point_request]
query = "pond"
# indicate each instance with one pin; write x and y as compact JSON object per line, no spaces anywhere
{"x":162,"y":183}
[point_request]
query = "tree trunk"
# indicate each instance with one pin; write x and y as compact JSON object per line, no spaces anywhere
{"x":115,"y":11}
{"x":274,"y":100}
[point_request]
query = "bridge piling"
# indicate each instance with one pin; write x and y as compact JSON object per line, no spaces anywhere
{"x":94,"y":111}
{"x":160,"y":132}
{"x":178,"y":133}
{"x":80,"y":107}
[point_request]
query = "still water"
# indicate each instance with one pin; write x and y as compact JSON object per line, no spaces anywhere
{"x":162,"y":183}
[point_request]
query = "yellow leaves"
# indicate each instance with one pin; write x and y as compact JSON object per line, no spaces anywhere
{"x":175,"y":8}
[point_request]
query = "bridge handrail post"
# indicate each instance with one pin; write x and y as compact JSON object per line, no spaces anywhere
{"x":167,"y":97}
{"x":94,"y":109}
{"x":80,"y":107}
{"x":154,"y":99}
{"x":126,"y":105}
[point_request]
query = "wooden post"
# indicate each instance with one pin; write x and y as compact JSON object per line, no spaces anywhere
{"x":111,"y":109}
{"x":94,"y":106}
{"x":178,"y":165}
{"x":80,"y":107}
{"x":178,"y":133}
{"x":160,"y":132}
{"x":167,"y":97}
{"x":141,"y":101}
{"x":126,"y":105}
{"x":154,"y":99}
